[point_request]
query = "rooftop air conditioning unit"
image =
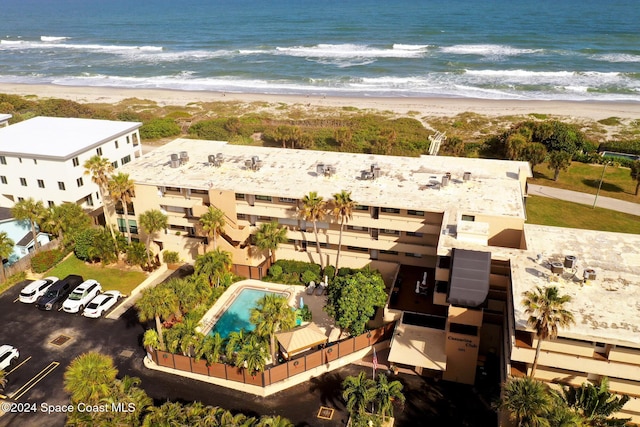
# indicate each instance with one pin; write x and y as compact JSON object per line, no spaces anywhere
{"x":445,"y":180}
{"x":570,"y":262}
{"x":466,"y":176}
{"x":212,"y":159}
{"x":320,"y":169}
{"x":557,"y":267}
{"x":589,"y":274}
{"x":329,"y":170}
{"x":175,"y":161}
{"x":184,"y":157}
{"x":375,"y":171}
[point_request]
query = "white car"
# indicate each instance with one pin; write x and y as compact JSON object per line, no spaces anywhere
{"x":36,"y":289}
{"x":81,"y":296}
{"x":7,"y":355}
{"x":100,"y":304}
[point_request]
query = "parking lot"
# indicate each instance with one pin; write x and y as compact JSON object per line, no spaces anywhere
{"x":49,"y":340}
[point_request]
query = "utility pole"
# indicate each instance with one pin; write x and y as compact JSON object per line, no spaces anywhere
{"x":600,"y":184}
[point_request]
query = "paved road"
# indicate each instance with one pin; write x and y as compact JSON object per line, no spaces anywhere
{"x":585,"y":199}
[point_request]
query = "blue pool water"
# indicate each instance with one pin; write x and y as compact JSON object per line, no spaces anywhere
{"x":237,"y":315}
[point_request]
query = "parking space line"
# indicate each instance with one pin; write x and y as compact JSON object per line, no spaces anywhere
{"x":16,"y":300}
{"x":35,"y":380}
{"x":18,"y":365}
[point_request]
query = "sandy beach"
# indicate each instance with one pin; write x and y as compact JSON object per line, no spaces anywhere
{"x":425,"y":107}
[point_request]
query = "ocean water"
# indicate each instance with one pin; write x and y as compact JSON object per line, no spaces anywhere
{"x":501,"y":49}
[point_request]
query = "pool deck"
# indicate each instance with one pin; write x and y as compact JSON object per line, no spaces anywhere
{"x":295,"y":292}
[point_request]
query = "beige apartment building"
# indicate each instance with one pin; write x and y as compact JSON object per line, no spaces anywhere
{"x":449,"y":235}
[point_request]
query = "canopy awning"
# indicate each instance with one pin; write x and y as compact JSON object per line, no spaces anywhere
{"x":417,"y":346}
{"x":469,"y":284}
{"x":301,"y":339}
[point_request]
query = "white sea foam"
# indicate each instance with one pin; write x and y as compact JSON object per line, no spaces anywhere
{"x":616,"y":57}
{"x":491,"y":50}
{"x":420,"y":47}
{"x":53,"y":38}
{"x":25,"y":44}
{"x":348,"y":51}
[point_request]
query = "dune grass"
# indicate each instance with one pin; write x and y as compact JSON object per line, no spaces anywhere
{"x":560,"y":213}
{"x":110,"y":278}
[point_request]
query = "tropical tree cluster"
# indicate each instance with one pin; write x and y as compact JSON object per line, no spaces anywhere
{"x":531,"y":403}
{"x":92,"y":379}
{"x":352,"y":300}
{"x":362,"y":394}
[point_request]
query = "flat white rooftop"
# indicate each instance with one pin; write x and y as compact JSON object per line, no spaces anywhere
{"x":606,"y":309}
{"x":405,"y":182}
{"x":59,"y":138}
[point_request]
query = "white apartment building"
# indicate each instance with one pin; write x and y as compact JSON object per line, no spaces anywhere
{"x":44,"y":158}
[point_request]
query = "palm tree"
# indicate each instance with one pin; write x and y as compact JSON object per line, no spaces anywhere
{"x":100,"y":168}
{"x":252,"y":355}
{"x":31,"y":210}
{"x":386,"y":393}
{"x":156,"y":303}
{"x":275,"y":421}
{"x":210,"y":347}
{"x":546,"y":311}
{"x":65,"y":221}
{"x":235,"y":341}
{"x":89,"y":377}
{"x":150,"y":339}
{"x":213,"y":223}
{"x":272,"y":314}
{"x":269,"y":236}
{"x":358,"y":392}
{"x":121,"y":188}
{"x":6,"y":249}
{"x":213,"y":266}
{"x":595,"y":403}
{"x":528,"y":402}
{"x":151,"y":222}
{"x":342,"y":211}
{"x":314,"y":209}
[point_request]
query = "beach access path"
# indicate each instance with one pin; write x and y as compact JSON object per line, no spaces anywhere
{"x":584,"y":198}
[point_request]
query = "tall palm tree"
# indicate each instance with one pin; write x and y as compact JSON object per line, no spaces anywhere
{"x":235,"y":341}
{"x":99,"y":168}
{"x":31,"y":210}
{"x":213,"y":223}
{"x":272,"y":314}
{"x":121,"y":188}
{"x":342,"y":211}
{"x":151,"y":222}
{"x":528,"y":402}
{"x":213,"y":266}
{"x":157,"y":303}
{"x":314,"y":209}
{"x":252,"y":355}
{"x":358,"y":392}
{"x":545,"y":307}
{"x":6,"y":249}
{"x":269,"y":236}
{"x":210,"y":347}
{"x":595,"y":403}
{"x":386,"y":393}
{"x":89,"y":377}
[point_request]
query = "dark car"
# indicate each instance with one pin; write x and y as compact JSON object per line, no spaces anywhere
{"x":58,"y":292}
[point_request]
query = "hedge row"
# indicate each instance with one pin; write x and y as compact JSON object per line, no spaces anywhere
{"x":43,"y":261}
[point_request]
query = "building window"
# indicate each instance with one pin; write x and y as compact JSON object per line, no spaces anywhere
{"x":40,"y":183}
{"x":242,"y":216}
{"x":263,"y":198}
{"x":361,"y":208}
{"x":20,"y":199}
{"x":240,"y":196}
{"x":264,"y":218}
{"x":3,"y":179}
{"x":128,"y":140}
{"x":20,"y":159}
{"x":35,"y":162}
{"x":357,"y":228}
{"x":389,"y":252}
{"x":89,"y":200}
{"x":197,"y":191}
{"x":99,"y":151}
{"x":388,"y":231}
{"x":414,"y":234}
{"x":61,"y":185}
{"x":23,"y":182}
{"x":135,"y":139}
{"x":3,"y":160}
{"x":357,"y":249}
{"x":412,"y":255}
{"x":80,"y":182}
{"x":51,"y":204}
{"x":415,"y":213}
{"x":468,"y":217}
{"x":286,"y":200}
{"x":133,"y":226}
{"x":125,"y":160}
{"x":390,"y":210}
{"x":75,"y":161}
{"x":116,"y":142}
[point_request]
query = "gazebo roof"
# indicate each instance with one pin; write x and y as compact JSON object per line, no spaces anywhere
{"x":300,"y":339}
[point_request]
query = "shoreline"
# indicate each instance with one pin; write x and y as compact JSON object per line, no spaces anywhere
{"x":425,"y":107}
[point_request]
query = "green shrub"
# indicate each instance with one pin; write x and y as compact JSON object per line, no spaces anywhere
{"x":84,"y":241}
{"x":213,"y":130}
{"x":329,"y":271}
{"x":291,"y":266}
{"x":159,"y":128}
{"x":309,"y":276}
{"x":137,"y":254}
{"x":171,"y":257}
{"x":305,"y":314}
{"x":43,"y":261}
{"x":275,"y":271}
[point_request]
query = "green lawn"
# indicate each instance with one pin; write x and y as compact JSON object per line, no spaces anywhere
{"x":559,"y":213}
{"x":110,"y":278}
{"x":617,"y":182}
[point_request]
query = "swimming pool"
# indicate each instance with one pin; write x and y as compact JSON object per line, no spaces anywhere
{"x":236,"y":316}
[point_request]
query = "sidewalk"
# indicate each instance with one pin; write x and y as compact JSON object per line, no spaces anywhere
{"x":584,"y":198}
